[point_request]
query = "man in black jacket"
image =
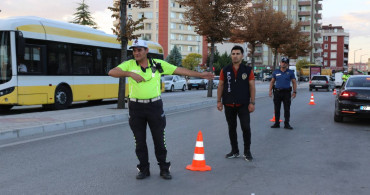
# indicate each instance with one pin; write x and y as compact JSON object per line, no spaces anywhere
{"x":236,"y":91}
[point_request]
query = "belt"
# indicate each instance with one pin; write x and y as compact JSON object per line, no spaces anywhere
{"x":282,"y":89}
{"x":145,"y":101}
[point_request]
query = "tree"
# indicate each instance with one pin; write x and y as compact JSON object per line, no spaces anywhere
{"x":280,"y":32}
{"x":252,"y":27}
{"x":212,"y":19}
{"x":175,"y":57}
{"x":83,"y":16}
{"x":223,"y":60}
{"x":301,"y":63}
{"x":192,"y":60}
{"x":124,"y":29}
{"x":300,"y":45}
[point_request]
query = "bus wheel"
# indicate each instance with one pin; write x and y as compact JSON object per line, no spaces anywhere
{"x":63,"y":98}
{"x":4,"y":108}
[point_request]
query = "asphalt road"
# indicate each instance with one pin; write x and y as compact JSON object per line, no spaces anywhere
{"x":318,"y":157}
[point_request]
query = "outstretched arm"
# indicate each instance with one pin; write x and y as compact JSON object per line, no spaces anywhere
{"x":186,"y":72}
{"x":118,"y":73}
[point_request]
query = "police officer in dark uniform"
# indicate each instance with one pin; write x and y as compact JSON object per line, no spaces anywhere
{"x":283,"y":91}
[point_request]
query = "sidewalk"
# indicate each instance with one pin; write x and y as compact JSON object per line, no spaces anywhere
{"x":25,"y":124}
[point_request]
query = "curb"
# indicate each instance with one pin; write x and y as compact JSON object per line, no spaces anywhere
{"x":68,"y":125}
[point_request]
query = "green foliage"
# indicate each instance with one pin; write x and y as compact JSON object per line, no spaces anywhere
{"x":301,"y":63}
{"x":191,"y":61}
{"x":83,"y":16}
{"x":175,"y":57}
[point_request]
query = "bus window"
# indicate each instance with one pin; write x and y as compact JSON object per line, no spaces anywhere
{"x":5,"y":65}
{"x":82,"y":61}
{"x":33,"y":59}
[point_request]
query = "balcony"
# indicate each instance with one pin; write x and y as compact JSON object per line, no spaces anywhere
{"x":317,"y":35}
{"x":304,"y":2}
{"x":307,"y":33}
{"x":316,"y":55}
{"x":305,"y":13}
{"x":318,"y":6}
{"x":305,"y":23}
{"x":318,"y":26}
{"x":318,"y":16}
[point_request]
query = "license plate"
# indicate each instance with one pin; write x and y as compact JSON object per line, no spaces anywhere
{"x":317,"y":86}
{"x":364,"y":107}
{"x":195,"y":85}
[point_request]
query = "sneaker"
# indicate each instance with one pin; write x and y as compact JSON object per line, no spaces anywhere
{"x":232,"y":155}
{"x":143,"y":174}
{"x":276,"y":125}
{"x":287,"y":126}
{"x":165,"y":174}
{"x":248,"y":156}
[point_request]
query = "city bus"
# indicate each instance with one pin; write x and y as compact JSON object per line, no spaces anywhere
{"x":53,"y":63}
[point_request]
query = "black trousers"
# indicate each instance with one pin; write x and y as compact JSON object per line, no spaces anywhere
{"x":231,"y":114}
{"x":285,"y":97}
{"x":152,"y":114}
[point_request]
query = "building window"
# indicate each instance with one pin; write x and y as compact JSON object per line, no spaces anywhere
{"x":325,"y":54}
{"x":333,"y":55}
{"x":181,"y":37}
{"x":181,"y":16}
{"x":189,"y":27}
{"x":333,"y":47}
{"x":334,"y":39}
{"x":157,"y":15}
{"x":173,"y":15}
{"x":140,"y":15}
{"x":181,"y":26}
{"x":190,"y":49}
{"x":129,"y":6}
{"x":326,"y":46}
{"x":326,"y":38}
{"x":173,"y":36}
{"x":148,"y":26}
{"x":333,"y":63}
{"x":180,"y":47}
{"x":325,"y":62}
{"x":173,"y":26}
{"x":190,"y":38}
{"x":148,"y":15}
{"x":157,"y":4}
{"x":173,"y":4}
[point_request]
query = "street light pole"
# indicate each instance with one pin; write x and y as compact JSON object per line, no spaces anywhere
{"x":354,"y":56}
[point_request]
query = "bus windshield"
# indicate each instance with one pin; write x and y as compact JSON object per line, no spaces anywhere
{"x":5,"y":59}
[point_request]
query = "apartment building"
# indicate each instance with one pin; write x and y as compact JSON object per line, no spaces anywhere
{"x":165,"y":25}
{"x":335,"y":47}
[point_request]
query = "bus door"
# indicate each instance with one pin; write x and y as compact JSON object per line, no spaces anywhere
{"x":32,"y":88}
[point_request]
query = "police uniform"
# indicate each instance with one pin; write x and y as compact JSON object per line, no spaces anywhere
{"x":146,"y":107}
{"x":282,"y":93}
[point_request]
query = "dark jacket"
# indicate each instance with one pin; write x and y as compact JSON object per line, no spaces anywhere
{"x":236,"y":90}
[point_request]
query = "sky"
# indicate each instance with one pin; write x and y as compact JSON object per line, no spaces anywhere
{"x":352,"y":15}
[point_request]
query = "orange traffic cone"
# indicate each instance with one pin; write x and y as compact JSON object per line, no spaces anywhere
{"x":335,"y":92}
{"x":273,"y":118}
{"x":199,"y":162}
{"x":312,"y":101}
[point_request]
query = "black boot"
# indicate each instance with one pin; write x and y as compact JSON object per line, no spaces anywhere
{"x":165,"y":170}
{"x":143,"y":172}
{"x":276,"y":125}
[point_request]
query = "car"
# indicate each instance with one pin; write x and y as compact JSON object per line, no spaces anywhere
{"x":174,"y":82}
{"x":353,"y":98}
{"x":197,"y":82}
{"x":216,"y":80}
{"x":267,"y":78}
{"x":321,"y":82}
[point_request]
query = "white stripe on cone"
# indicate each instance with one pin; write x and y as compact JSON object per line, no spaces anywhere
{"x":199,"y":144}
{"x":198,"y":157}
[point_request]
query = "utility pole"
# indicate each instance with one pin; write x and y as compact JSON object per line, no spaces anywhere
{"x":122,"y":81}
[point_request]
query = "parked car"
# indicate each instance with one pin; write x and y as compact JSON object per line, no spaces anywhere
{"x":321,"y":82}
{"x":174,"y":82}
{"x":197,"y":82}
{"x":267,"y":78}
{"x":216,"y":80}
{"x":353,"y":99}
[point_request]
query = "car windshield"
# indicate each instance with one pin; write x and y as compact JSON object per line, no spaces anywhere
{"x":5,"y":62}
{"x":193,"y":78}
{"x":358,"y":82}
{"x":168,"y":78}
{"x":216,"y":78}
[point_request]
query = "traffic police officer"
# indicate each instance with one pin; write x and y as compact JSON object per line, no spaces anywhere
{"x":283,"y":91}
{"x":145,"y":104}
{"x":345,"y":76}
